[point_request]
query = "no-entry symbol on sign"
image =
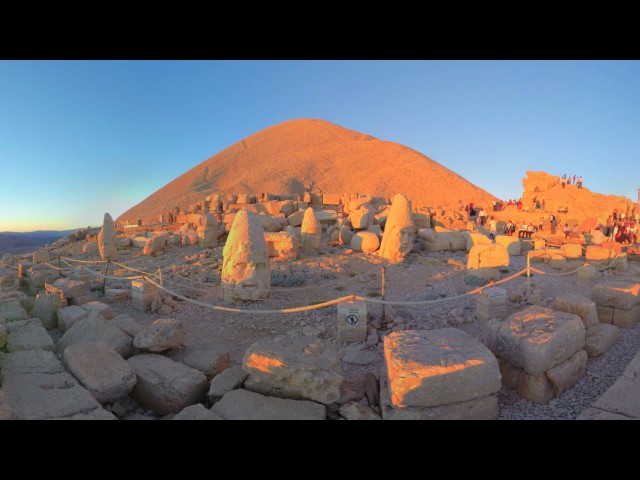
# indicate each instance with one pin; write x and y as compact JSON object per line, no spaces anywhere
{"x":351,"y":319}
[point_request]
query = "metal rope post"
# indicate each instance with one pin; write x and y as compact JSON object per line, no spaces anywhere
{"x":59,"y":266}
{"x":383,"y":320}
{"x":104,"y":282}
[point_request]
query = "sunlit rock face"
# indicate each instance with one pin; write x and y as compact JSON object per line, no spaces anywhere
{"x":399,"y":231}
{"x":245,"y":267}
{"x":208,"y":231}
{"x":311,"y":232}
{"x":107,"y":245}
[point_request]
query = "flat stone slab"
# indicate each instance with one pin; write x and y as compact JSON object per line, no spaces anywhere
{"x":36,"y":387}
{"x":68,"y":316}
{"x":197,"y":412}
{"x":96,"y":328}
{"x":623,"y":397}
{"x":592,"y":413}
{"x":427,"y":368}
{"x":28,"y":335}
{"x":294,"y":367}
{"x":166,"y":386}
{"x":100,"y":369}
{"x":616,"y":293}
{"x":245,"y":405}
{"x":539,"y":338}
{"x":69,"y":288}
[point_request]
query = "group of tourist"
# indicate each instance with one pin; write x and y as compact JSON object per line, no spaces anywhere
{"x":577,"y":180}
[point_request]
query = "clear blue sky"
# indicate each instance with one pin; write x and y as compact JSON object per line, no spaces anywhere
{"x":81,"y":138}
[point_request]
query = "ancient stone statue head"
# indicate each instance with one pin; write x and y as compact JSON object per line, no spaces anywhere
{"x":399,"y":231}
{"x":245,"y":267}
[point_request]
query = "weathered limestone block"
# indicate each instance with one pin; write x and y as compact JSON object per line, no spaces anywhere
{"x":539,"y":338}
{"x":421,"y":220}
{"x":587,"y":276}
{"x":512,"y":244}
{"x":294,"y":367}
{"x":70,"y":288}
{"x":28,"y":335}
{"x":555,"y":260}
{"x":282,"y":244}
{"x":326,"y":217}
{"x":485,"y":261}
{"x":510,"y":374}
{"x":537,"y":388}
{"x":601,"y":339}
{"x":434,"y":367}
{"x":102,"y":308}
{"x":245,"y":405}
{"x":208,"y":231}
{"x":230,"y":379}
{"x":581,"y":306}
{"x":196,"y":412}
{"x":311,"y":233}
{"x":41,"y":256}
{"x":482,"y":408}
{"x":166,"y":386}
{"x":605,"y":314}
{"x":100,"y":369}
{"x":345,"y":234}
{"x":11,"y":310}
{"x":96,"y":328}
{"x":46,"y":307}
{"x":433,"y":241}
{"x":571,"y":250}
{"x":616,"y":293}
{"x":365,"y":242}
{"x":357,"y":411}
{"x":209,"y":361}
{"x":123,"y":242}
{"x":601,"y":256}
{"x":90,"y":248}
{"x":269,"y":224}
{"x":474,"y":239}
{"x":626,"y":318}
{"x":157,"y":245}
{"x":139,"y":241}
{"x":399,"y":230}
{"x":127,"y":324}
{"x":295,"y":219}
{"x":37,"y":387}
{"x":163,"y":334}
{"x":107,"y":245}
{"x":566,"y":375}
{"x":362,"y":217}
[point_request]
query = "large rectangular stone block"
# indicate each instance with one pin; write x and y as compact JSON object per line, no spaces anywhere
{"x":539,"y":338}
{"x":617,"y":293}
{"x":435,"y":367}
{"x":142,"y":294}
{"x":626,"y":318}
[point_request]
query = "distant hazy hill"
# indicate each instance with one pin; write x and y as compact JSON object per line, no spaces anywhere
{"x":23,"y":242}
{"x":309,"y":153}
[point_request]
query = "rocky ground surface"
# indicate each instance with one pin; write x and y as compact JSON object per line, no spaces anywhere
{"x":435,"y":276}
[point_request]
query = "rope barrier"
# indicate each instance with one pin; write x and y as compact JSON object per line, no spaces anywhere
{"x":238,"y":310}
{"x":84,"y":261}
